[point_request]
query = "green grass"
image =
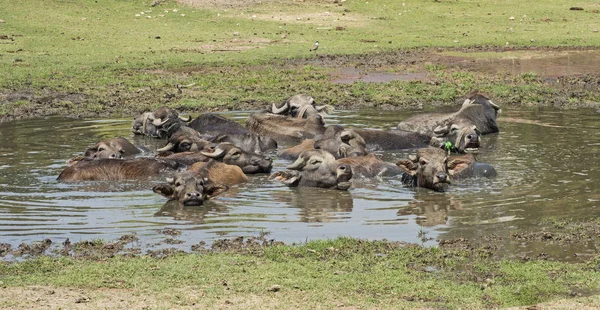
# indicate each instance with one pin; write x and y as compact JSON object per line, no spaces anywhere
{"x":322,"y":274}
{"x":125,"y":63}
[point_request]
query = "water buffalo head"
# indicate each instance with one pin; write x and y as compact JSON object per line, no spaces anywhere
{"x":111,"y":148}
{"x":189,"y":189}
{"x":455,"y":138}
{"x":233,"y":155}
{"x":427,"y":169}
{"x":341,"y":142}
{"x":185,"y":139}
{"x":316,"y":168}
{"x":159,"y":123}
{"x":301,"y":106}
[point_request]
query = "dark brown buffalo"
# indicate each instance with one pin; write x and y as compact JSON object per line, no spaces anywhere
{"x":233,"y":155}
{"x":336,"y":140}
{"x":477,"y":110}
{"x":432,"y":168}
{"x":111,"y":148}
{"x":118,"y":169}
{"x":316,"y":168}
{"x":285,"y":128}
{"x":219,"y":173}
{"x":185,"y":139}
{"x":159,"y":123}
{"x":386,"y":140}
{"x":226,"y":153}
{"x":189,"y":189}
{"x":370,"y":166}
{"x":300,"y":106}
{"x":226,"y":130}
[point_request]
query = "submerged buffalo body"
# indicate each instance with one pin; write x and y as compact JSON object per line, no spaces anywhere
{"x":316,"y":168}
{"x":386,"y":140}
{"x":300,"y":106}
{"x":185,"y":139}
{"x":282,"y":127}
{"x":336,"y":140}
{"x":370,"y":166}
{"x":233,"y":155}
{"x":222,"y":129}
{"x":189,"y":189}
{"x":219,"y":173}
{"x":477,"y":116}
{"x":118,"y":169}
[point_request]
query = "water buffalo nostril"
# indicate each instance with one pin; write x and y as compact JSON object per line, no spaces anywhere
{"x":442,"y":177}
{"x":192,"y":195}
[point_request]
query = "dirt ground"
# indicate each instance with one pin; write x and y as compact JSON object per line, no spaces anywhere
{"x":44,"y":297}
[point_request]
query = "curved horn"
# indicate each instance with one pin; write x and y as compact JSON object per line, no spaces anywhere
{"x":185,"y":119}
{"x":166,"y":148}
{"x":326,"y":109}
{"x":171,"y":180}
{"x":495,"y":106}
{"x":440,"y":130}
{"x":217,"y":153}
{"x":298,"y":164}
{"x":413,"y":158}
{"x":159,"y":122}
{"x":277,"y":110}
{"x":346,"y":135}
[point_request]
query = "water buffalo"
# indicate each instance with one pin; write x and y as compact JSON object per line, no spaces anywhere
{"x":226,"y":130}
{"x":427,"y":169}
{"x":159,"y":124}
{"x":336,"y":140}
{"x":477,"y":110}
{"x":185,"y":139}
{"x":111,"y":148}
{"x":118,"y":169}
{"x":341,"y":142}
{"x":300,"y":106}
{"x":316,"y":168}
{"x":233,"y":155}
{"x":432,"y":168}
{"x":370,"y":166}
{"x":219,"y":173}
{"x":282,"y":127}
{"x":189,"y":189}
{"x":386,"y":140}
{"x":457,"y":139}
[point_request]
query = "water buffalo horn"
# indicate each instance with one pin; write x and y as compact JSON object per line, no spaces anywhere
{"x":166,"y":148}
{"x":325,"y":108}
{"x":283,"y":108}
{"x":159,"y":122}
{"x":413,"y":158}
{"x":298,"y":164}
{"x":170,"y":180}
{"x":346,"y":135}
{"x":185,"y":119}
{"x":217,"y":153}
{"x":440,"y":130}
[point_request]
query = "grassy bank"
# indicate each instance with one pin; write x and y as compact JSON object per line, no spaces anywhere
{"x":320,"y":274}
{"x":122,"y":57}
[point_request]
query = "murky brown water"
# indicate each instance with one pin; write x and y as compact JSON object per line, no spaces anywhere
{"x":547,"y":161}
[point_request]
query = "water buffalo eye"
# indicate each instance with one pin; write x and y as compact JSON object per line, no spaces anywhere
{"x":314,"y":162}
{"x":100,"y":149}
{"x":178,"y":184}
{"x":423,"y":162}
{"x":236,"y":154}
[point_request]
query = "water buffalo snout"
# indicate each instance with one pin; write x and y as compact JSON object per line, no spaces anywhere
{"x":192,"y":195}
{"x":442,"y":177}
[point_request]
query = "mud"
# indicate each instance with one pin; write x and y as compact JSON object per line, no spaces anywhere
{"x":566,"y":78}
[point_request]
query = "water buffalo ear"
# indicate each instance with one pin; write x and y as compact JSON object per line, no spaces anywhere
{"x":220,"y":138}
{"x":457,"y":164}
{"x":436,"y":142}
{"x":213,"y":190}
{"x":441,"y":130}
{"x":407,"y":166}
{"x":163,"y":189}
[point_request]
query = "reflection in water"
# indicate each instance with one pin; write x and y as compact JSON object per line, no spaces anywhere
{"x":547,"y":163}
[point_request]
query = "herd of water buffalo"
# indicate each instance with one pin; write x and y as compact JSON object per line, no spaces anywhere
{"x":204,"y":156}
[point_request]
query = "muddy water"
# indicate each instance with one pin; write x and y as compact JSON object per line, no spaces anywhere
{"x":547,"y":161}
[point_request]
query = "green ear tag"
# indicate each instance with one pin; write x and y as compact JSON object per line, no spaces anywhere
{"x":448,"y":146}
